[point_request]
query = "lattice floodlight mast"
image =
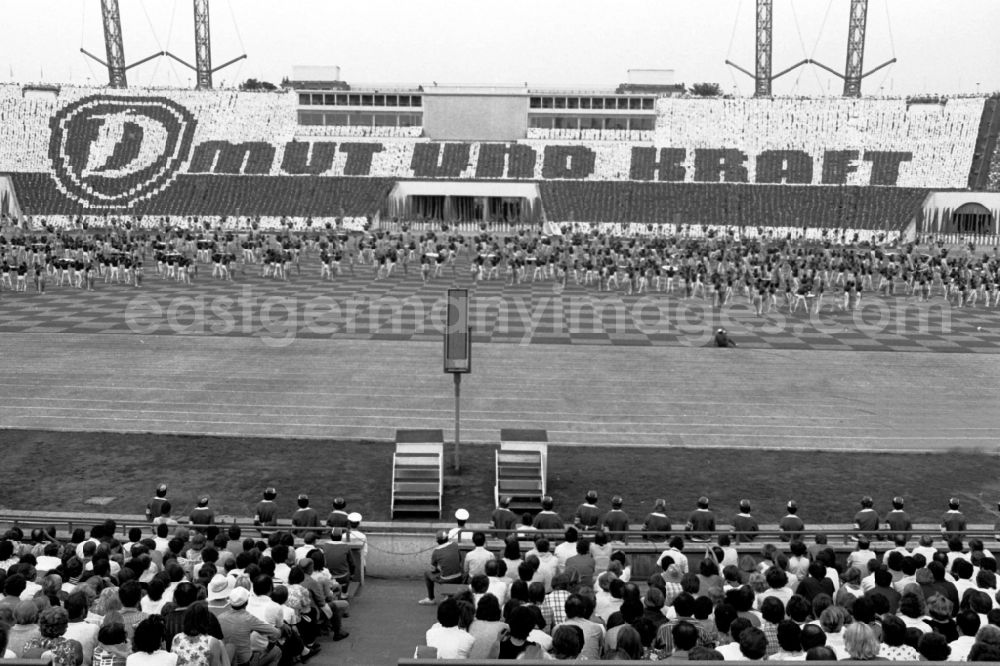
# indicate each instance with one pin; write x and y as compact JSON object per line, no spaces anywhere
{"x":854,"y":68}
{"x":203,"y":48}
{"x":202,"y":45}
{"x":113,"y":46}
{"x":762,"y":76}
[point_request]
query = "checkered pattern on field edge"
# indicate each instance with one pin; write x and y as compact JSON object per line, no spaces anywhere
{"x":404,"y":307}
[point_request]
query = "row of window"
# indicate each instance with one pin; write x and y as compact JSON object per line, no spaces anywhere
{"x":622,"y":103}
{"x":360,"y":119}
{"x":592,"y":122}
{"x":357,"y":99}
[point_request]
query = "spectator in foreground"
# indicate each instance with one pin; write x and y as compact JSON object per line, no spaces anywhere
{"x":52,"y":624}
{"x":147,"y":645}
{"x":451,"y":641}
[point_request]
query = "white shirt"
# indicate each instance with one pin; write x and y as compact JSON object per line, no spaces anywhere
{"x":476,"y":559}
{"x":960,"y":648}
{"x":731,"y":652}
{"x":451,"y":642}
{"x":563,"y":552}
{"x":499,"y":588}
{"x":158,"y":658}
{"x":86,"y":634}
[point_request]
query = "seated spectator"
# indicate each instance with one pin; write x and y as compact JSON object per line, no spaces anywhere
{"x":52,"y":624}
{"x":731,"y":651}
{"x":522,"y":622}
{"x":487,"y":629}
{"x":593,"y":633}
{"x":821,"y":653}
{"x":939,"y":611}
{"x":113,"y":646}
{"x":25,"y":627}
{"x":582,"y":563}
{"x":789,"y":636}
{"x":446,"y":567}
{"x":567,"y":643}
{"x":933,"y":647}
{"x":451,"y":641}
{"x":753,"y":644}
{"x":684,"y":638}
{"x":860,"y":642}
{"x":656,"y":527}
{"x":147,"y":645}
{"x":968,"y":628}
{"x":832,"y":622}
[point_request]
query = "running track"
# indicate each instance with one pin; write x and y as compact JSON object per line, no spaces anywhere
{"x":72,"y":362}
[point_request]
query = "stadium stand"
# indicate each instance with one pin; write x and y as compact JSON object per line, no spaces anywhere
{"x":856,"y":208}
{"x":855,"y":164}
{"x":87,"y":591}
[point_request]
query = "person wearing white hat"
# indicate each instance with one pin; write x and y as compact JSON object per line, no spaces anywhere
{"x":218,"y":592}
{"x":237,"y":626}
{"x":459,"y":533}
{"x":357,"y":536}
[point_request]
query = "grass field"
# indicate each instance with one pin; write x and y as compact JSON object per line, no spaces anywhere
{"x":60,"y":471}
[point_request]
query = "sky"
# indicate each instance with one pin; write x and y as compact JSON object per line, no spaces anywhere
{"x":950,"y":46}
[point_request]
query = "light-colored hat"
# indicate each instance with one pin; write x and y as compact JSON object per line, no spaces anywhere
{"x":354,"y":517}
{"x":461,"y":514}
{"x":239,"y":597}
{"x":219,"y":587}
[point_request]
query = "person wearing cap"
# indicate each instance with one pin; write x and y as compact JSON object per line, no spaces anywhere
{"x":355,"y":535}
{"x":265,"y":514}
{"x":202,"y":516}
{"x":700,"y":522}
{"x":656,"y":527}
{"x":587,"y":515}
{"x":446,"y":567}
{"x":722,"y":338}
{"x":953,"y":521}
{"x":616,"y":521}
{"x":791,"y":524}
{"x":459,"y":533}
{"x":337,"y":517}
{"x":547,"y":519}
{"x":238,"y":625}
{"x":866,"y":521}
{"x":897,"y":521}
{"x":153,"y":507}
{"x":305,"y":517}
{"x":744,"y":522}
{"x":503,"y":521}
